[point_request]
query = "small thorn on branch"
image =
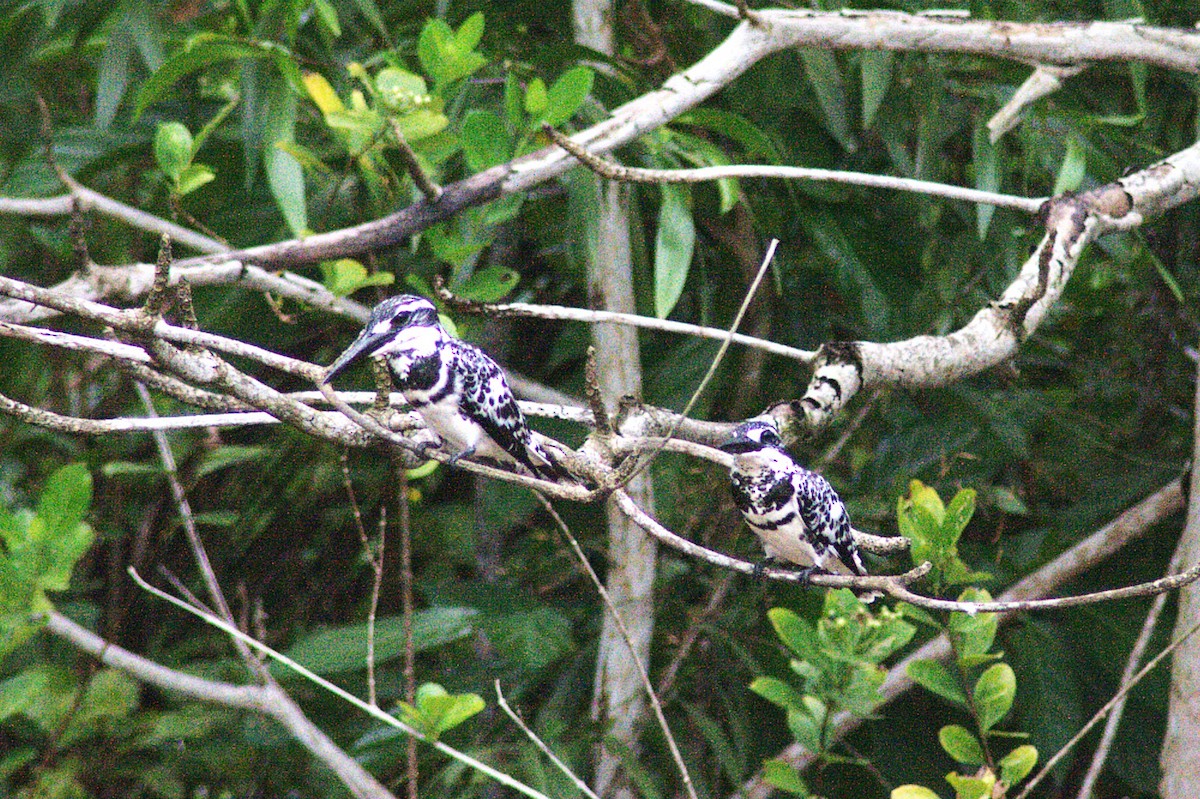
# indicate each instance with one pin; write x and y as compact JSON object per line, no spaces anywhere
{"x":159,"y":299}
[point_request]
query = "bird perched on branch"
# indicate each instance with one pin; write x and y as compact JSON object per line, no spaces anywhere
{"x":457,"y":389}
{"x":796,"y":514}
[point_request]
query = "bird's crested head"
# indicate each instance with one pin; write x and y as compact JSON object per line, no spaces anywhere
{"x":752,"y":436}
{"x":388,"y":319}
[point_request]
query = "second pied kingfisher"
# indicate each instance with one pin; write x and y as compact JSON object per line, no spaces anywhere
{"x":457,"y":389}
{"x":796,"y":513}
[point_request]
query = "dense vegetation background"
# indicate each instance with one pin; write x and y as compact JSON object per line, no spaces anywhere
{"x":1093,"y":415}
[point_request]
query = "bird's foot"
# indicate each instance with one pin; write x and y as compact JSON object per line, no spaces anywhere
{"x":761,"y":566}
{"x":466,"y":453}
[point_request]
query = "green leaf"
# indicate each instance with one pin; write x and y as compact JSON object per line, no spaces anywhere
{"x":757,"y":144}
{"x":340,"y":649}
{"x":437,"y":711}
{"x":913,"y":792}
{"x":934,"y":676}
{"x":198,"y":52}
{"x":972,"y":635}
{"x":20,"y":691}
{"x":1074,"y":167}
{"x":370,"y":10}
{"x":961,"y":745}
{"x":1016,"y":765}
{"x":531,"y":639}
{"x":112,"y":76}
{"x":796,"y":633}
{"x":673,"y":246}
{"x":536,"y":98}
{"x":993,"y":694}
{"x":918,"y":614}
{"x":400,"y":89}
{"x":193,"y":177}
{"x":784,"y":776}
{"x":970,"y":787}
{"x":807,"y":729}
{"x":228,"y":455}
{"x":958,"y":516}
{"x":111,"y":697}
{"x":284,"y":173}
{"x":514,"y":100}
{"x":65,"y":499}
{"x":825,"y":76}
{"x":777,"y":692}
{"x":567,"y":94}
{"x":876,"y":77}
{"x":490,"y":284}
{"x":485,"y":140}
{"x":986,"y":161}
{"x":470,"y":33}
{"x":328,"y":17}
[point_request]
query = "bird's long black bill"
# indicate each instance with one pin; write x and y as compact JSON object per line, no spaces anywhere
{"x":366,"y":342}
{"x":738,"y":444}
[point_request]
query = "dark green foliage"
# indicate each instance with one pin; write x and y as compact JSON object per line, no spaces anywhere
{"x":288,"y":110}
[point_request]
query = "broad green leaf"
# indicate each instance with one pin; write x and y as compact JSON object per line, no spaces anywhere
{"x":345,"y":276}
{"x":514,"y":100}
{"x":15,"y":760}
{"x":796,"y":633}
{"x":935,"y":676}
{"x":567,"y":93}
{"x":328,"y":17}
{"x":284,"y":173}
{"x":470,"y":33}
{"x":340,"y":649}
{"x":972,"y":635}
{"x":531,"y":639}
{"x":958,"y":515}
{"x":807,"y":730}
{"x":1074,"y":167}
{"x":1016,"y":765}
{"x":826,"y":78}
{"x":918,"y":614}
{"x":970,"y":787}
{"x":757,"y":144}
{"x":777,"y":692}
{"x":913,"y":792}
{"x":784,"y":776}
{"x":421,"y":124}
{"x":228,"y":455}
{"x":112,"y":77}
{"x":876,"y":77}
{"x":370,"y":11}
{"x":926,"y":497}
{"x":1006,"y":500}
{"x":193,"y":177}
{"x":961,"y":745}
{"x":111,"y":697}
{"x":536,"y":98}
{"x":993,"y":694}
{"x":985,"y":158}
{"x":198,"y":52}
{"x":437,"y":711}
{"x":490,"y":284}
{"x":65,"y":499}
{"x":20,"y":691}
{"x":400,"y":89}
{"x":485,"y":140}
{"x":673,"y":246}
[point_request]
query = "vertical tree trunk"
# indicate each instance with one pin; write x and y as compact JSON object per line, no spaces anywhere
{"x":1180,"y":758}
{"x":618,"y":701}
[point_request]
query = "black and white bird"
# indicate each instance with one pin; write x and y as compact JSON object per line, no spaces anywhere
{"x":796,"y":513}
{"x":457,"y":389}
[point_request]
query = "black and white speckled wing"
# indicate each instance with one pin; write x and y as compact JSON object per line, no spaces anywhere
{"x":826,"y":519}
{"x":488,"y":400}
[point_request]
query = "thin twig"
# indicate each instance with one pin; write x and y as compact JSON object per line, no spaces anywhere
{"x":712,"y":367}
{"x":374,"y":712}
{"x":215,"y":594}
{"x":412,"y":165}
{"x":637,"y":661}
{"x":375,"y":559}
{"x":1135,"y":657}
{"x":1103,"y":711}
{"x":406,"y":598}
{"x":626,"y":174}
{"x":566,"y":313}
{"x":543,"y":746}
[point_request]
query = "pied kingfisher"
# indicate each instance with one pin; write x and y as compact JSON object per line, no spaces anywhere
{"x":457,"y":389}
{"x":795,"y":513}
